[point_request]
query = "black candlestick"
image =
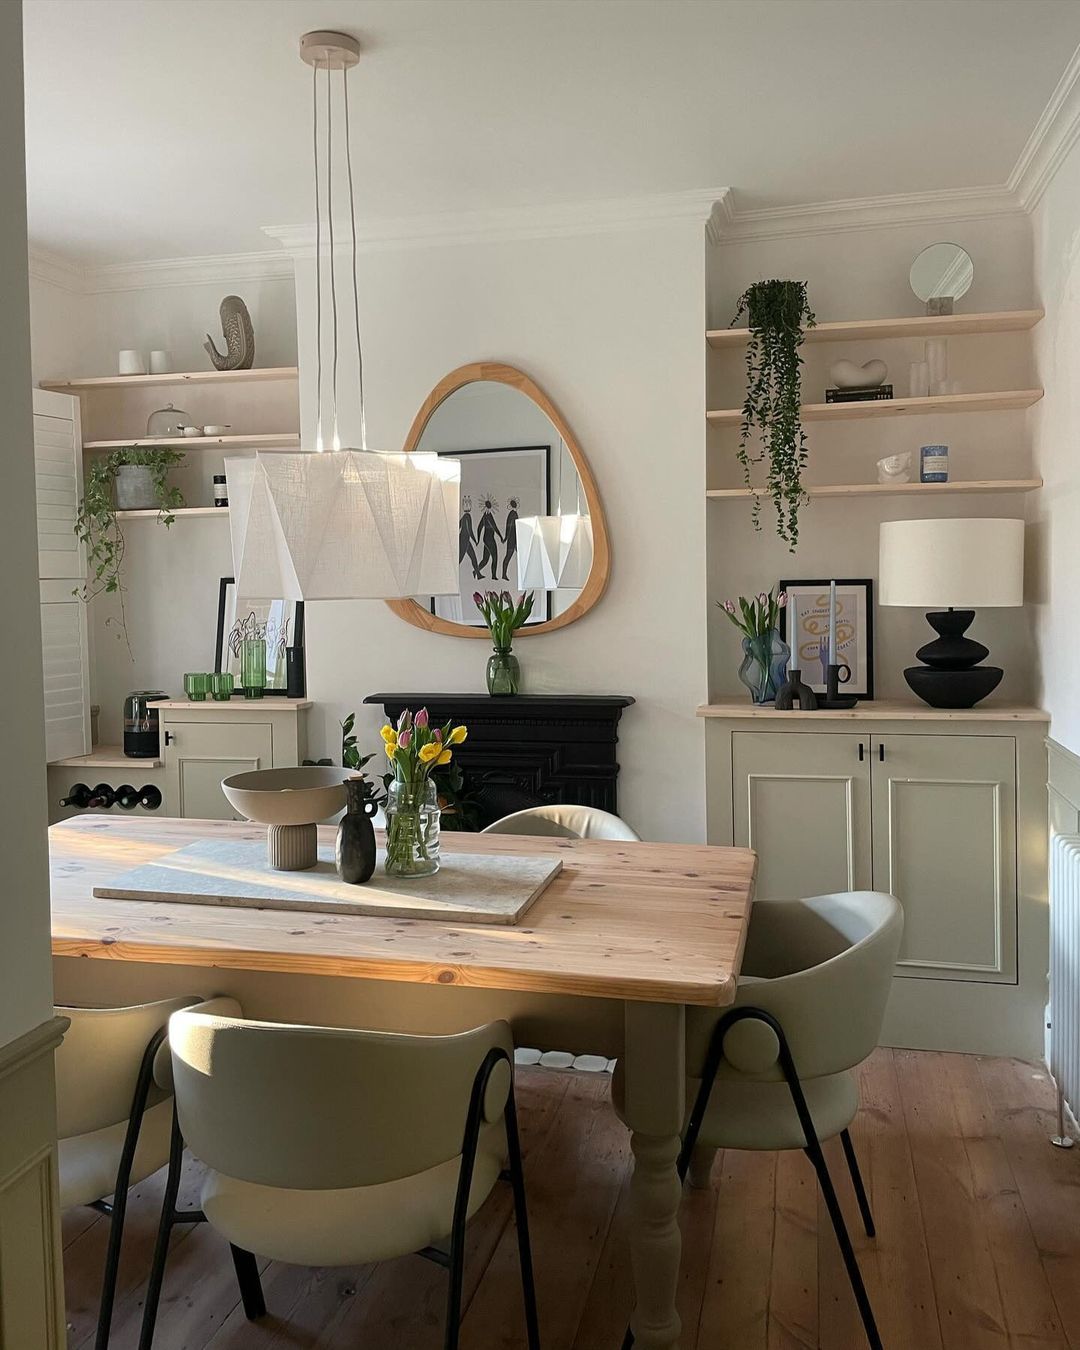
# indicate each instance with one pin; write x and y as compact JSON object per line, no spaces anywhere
{"x":833,"y":680}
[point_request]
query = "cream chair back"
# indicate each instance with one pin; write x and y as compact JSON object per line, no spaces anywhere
{"x":317,"y":1108}
{"x":98,"y":1061}
{"x":823,"y":968}
{"x":565,"y":822}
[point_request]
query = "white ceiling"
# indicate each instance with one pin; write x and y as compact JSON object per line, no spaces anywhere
{"x":174,"y":128}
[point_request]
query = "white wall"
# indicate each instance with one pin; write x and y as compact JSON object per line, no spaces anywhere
{"x":1057,"y":437}
{"x":25,"y":978}
{"x":864,"y":274}
{"x":58,"y":325}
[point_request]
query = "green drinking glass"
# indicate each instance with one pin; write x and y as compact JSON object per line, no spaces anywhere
{"x":253,"y":667}
{"x":221,"y":687}
{"x":197,"y":687}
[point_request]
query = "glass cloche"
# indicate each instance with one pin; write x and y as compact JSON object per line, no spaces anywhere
{"x":168,"y":421}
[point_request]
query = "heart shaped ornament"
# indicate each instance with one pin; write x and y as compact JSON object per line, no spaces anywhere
{"x":847,"y":375}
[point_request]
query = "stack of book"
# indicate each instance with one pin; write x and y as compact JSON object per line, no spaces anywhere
{"x":879,"y":391}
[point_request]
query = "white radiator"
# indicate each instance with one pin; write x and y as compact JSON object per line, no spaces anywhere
{"x":1065,"y":968}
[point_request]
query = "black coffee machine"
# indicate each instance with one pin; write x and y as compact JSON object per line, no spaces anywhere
{"x":142,"y":738}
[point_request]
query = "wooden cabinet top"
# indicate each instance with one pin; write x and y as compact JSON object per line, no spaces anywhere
{"x":877,"y":710}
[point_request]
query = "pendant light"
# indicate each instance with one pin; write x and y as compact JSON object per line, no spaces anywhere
{"x":554,"y":552}
{"x":334,"y":523}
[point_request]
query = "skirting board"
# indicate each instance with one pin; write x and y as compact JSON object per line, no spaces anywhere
{"x":468,"y":888}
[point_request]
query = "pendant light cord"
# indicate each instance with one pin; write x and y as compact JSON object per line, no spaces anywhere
{"x":335,"y":442}
{"x":355,"y":290}
{"x":318,"y":257}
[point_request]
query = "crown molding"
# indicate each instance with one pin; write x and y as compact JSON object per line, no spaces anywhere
{"x":56,"y":271}
{"x":503,"y":224}
{"x":867,"y":213}
{"x":214,"y":268}
{"x":1048,"y":145}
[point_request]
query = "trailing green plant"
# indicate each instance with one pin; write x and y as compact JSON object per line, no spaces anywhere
{"x":778,"y":315}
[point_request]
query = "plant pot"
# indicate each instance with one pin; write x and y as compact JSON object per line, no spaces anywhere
{"x":134,"y":488}
{"x":355,"y":852}
{"x":503,"y":673}
{"x":764,"y":665}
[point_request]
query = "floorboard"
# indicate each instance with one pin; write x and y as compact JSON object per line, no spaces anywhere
{"x":978,"y":1244}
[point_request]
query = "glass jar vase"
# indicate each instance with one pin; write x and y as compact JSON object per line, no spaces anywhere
{"x":764,"y":665}
{"x":503,"y":673}
{"x":412,"y":829}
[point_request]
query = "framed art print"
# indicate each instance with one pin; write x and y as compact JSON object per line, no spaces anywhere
{"x":497,"y":486}
{"x":804,"y":626}
{"x":280,"y":622}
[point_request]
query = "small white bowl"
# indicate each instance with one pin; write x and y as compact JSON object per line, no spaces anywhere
{"x":216,"y":430}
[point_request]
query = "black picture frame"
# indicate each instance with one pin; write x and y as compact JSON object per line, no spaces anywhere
{"x":861,"y":687}
{"x":276,"y":673}
{"x":542,"y":608}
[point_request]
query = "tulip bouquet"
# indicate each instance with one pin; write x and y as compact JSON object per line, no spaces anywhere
{"x":415,"y":749}
{"x":503,"y":616}
{"x":765,"y":654}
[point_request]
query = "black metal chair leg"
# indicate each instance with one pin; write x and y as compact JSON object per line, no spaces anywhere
{"x":117,"y":1210}
{"x":857,"y":1182}
{"x":832,"y":1204}
{"x":247,"y":1277}
{"x":165,"y":1227}
{"x":521,"y":1219}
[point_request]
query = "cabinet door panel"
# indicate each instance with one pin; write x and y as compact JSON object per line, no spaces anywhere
{"x":944,"y":813}
{"x":200,"y":754}
{"x":802,"y":801}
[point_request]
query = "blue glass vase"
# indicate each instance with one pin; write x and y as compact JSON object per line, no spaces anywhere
{"x":764,"y":665}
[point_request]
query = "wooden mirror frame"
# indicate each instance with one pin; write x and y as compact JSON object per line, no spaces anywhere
{"x":596,"y":582}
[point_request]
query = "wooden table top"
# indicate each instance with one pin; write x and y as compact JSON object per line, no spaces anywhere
{"x":662,"y":923}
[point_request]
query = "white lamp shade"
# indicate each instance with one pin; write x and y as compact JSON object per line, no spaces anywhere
{"x":554,"y":552}
{"x":348,"y":524}
{"x":964,"y":564}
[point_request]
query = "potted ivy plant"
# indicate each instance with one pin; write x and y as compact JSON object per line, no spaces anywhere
{"x":104,"y":492}
{"x":778,"y":315}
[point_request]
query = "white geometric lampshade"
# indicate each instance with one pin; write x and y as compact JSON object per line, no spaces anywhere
{"x":345,"y":525}
{"x":554,"y":552}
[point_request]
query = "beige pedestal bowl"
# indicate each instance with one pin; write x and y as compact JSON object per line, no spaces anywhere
{"x":290,"y":802}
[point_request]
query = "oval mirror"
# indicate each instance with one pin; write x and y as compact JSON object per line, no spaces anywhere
{"x":530,"y":518}
{"x":942,"y":272}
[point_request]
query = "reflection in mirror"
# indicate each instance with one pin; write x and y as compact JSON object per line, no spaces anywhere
{"x":941,"y":274}
{"x":531,"y":516}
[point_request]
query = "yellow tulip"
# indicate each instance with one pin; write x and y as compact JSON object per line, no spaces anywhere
{"x":445,"y":757}
{"x":429,"y":752}
{"x":391,"y":749}
{"x":388,"y":734}
{"x":458,"y":735}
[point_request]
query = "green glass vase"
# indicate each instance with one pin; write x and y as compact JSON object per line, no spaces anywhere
{"x":503,"y":673}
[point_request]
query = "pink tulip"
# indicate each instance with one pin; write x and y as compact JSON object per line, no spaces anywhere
{"x":781,"y":599}
{"x":729,"y":605}
{"x":478,"y":599}
{"x":421,"y":718}
{"x":438,"y":734}
{"x":405,"y":720}
{"x":404,"y":739}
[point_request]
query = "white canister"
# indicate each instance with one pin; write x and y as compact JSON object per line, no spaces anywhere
{"x":160,"y":364}
{"x":130,"y":362}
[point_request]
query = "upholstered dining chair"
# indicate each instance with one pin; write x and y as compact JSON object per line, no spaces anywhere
{"x":113,"y":1121}
{"x":774,"y":1070}
{"x":334,"y":1147}
{"x":565,"y":822}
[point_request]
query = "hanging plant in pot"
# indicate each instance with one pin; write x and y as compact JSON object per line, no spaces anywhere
{"x":778,"y":315}
{"x":129,"y":479}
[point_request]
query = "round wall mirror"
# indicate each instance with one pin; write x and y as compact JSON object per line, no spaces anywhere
{"x":530,"y":513}
{"x":942,"y":272}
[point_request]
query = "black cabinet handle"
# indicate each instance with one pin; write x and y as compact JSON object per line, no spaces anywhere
{"x":169,"y":738}
{"x":862,"y":752}
{"x":881,"y":751}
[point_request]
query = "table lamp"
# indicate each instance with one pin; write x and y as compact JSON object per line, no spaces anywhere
{"x":952,"y":568}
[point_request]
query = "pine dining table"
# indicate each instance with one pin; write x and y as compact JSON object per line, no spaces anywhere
{"x":623,"y":941}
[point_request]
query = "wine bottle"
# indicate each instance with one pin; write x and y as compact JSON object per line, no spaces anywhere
{"x":102,"y":796}
{"x":127,"y":798}
{"x":150,"y":797}
{"x":79,"y":797}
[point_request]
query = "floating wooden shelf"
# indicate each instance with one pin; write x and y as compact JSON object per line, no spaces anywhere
{"x":923,"y":325}
{"x":995,"y":401}
{"x":891,"y":489}
{"x":107,"y":757}
{"x":180,"y":511}
{"x":288,"y":440}
{"x":210,"y":377}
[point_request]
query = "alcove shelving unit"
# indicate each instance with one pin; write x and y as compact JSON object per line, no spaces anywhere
{"x":250,"y":398}
{"x":925,"y":326}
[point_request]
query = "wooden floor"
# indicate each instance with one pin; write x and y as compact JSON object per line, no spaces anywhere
{"x":978,"y":1248}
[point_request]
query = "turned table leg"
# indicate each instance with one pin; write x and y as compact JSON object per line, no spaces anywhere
{"x":701,"y":1165}
{"x":655,"y":1084}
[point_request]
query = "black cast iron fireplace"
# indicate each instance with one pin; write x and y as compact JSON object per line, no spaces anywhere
{"x":531,"y":749}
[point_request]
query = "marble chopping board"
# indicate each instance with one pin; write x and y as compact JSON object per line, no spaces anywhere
{"x":468,"y":888}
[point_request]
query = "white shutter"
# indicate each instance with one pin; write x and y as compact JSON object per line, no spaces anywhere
{"x":66,"y":670}
{"x":58,"y":461}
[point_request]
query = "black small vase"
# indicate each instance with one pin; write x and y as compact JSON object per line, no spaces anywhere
{"x":356,"y":835}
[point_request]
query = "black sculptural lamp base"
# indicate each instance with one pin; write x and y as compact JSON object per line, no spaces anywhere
{"x":950,"y":676}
